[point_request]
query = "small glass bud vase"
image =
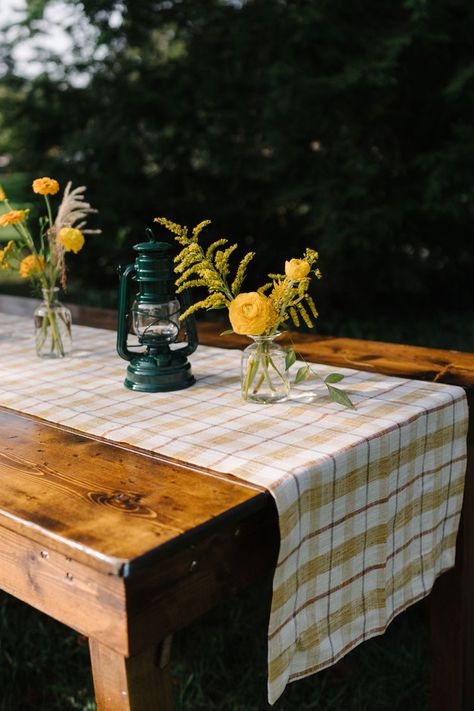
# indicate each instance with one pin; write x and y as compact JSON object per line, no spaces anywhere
{"x":264,"y":376}
{"x":52,"y":326}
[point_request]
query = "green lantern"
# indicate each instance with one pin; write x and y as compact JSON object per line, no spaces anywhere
{"x":153,"y":314}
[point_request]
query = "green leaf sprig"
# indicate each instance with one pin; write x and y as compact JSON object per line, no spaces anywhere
{"x":306,"y":371}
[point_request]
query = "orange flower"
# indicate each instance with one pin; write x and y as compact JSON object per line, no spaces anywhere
{"x":45,"y":186}
{"x":31,"y":265}
{"x":13,"y":217}
{"x":2,"y":194}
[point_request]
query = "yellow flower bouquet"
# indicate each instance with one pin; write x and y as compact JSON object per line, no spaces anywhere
{"x":42,"y":260}
{"x":260,"y":314}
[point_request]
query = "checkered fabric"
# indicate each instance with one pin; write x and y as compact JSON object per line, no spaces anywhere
{"x":368,"y":500}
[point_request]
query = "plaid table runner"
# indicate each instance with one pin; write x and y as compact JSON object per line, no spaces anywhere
{"x":368,"y":500}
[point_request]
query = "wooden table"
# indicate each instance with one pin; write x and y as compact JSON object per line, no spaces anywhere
{"x":198,"y":536}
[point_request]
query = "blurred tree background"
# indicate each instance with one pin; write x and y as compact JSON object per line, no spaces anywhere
{"x":342,"y":126}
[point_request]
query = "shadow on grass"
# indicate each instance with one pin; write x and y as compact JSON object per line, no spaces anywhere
{"x":219,"y":664}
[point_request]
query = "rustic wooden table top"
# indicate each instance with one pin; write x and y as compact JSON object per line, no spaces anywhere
{"x":196,"y":537}
{"x":72,"y":490}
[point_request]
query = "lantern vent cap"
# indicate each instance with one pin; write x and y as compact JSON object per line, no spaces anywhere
{"x":162,"y":247}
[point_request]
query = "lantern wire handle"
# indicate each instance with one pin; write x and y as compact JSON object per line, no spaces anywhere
{"x":150,"y":235}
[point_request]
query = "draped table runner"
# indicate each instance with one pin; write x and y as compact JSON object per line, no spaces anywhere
{"x":368,"y":500}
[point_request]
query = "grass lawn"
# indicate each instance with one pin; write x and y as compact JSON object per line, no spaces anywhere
{"x":219,"y":664}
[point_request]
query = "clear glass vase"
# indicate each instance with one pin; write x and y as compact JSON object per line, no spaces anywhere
{"x":263,"y":375}
{"x":52,"y":326}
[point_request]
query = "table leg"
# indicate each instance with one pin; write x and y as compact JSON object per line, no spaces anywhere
{"x":139,"y":683}
{"x":446,"y":638}
{"x":452,"y":616}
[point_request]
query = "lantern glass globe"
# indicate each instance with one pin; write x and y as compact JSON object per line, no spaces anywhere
{"x":156,"y":324}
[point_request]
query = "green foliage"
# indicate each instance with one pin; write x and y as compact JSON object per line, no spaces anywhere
{"x":333,"y":378}
{"x":290,"y":358}
{"x":345,"y":126}
{"x":302,"y":374}
{"x":338,"y":395}
{"x":305,"y":372}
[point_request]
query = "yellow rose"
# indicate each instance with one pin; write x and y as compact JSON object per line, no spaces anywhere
{"x":45,"y":186}
{"x":252,"y":314}
{"x":2,"y":194}
{"x":71,"y":239}
{"x":297,"y":269}
{"x":13,"y":217}
{"x":31,"y":265}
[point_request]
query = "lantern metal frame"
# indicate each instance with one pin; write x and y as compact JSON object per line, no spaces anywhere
{"x":159,"y":368}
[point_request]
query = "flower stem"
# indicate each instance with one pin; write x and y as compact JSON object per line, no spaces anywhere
{"x":263,"y":380}
{"x":50,"y":327}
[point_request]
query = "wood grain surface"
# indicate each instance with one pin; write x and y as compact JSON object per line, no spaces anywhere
{"x":102,"y":504}
{"x":90,"y":602}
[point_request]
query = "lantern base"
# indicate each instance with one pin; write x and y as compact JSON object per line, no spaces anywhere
{"x":144,"y":374}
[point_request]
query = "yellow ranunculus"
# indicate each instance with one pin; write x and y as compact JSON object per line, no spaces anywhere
{"x":45,"y":186}
{"x":2,"y":194}
{"x":252,"y":314}
{"x":71,"y":239}
{"x":297,"y":269}
{"x":31,"y":265}
{"x":13,"y":217}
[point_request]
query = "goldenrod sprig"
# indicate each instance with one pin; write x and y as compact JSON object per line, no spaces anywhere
{"x":180,"y":232}
{"x":221,"y":259}
{"x":198,"y":229}
{"x":241,"y":272}
{"x":213,"y":301}
{"x":214,"y":246}
{"x":189,"y":285}
{"x":209,"y":268}
{"x":193,"y":261}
